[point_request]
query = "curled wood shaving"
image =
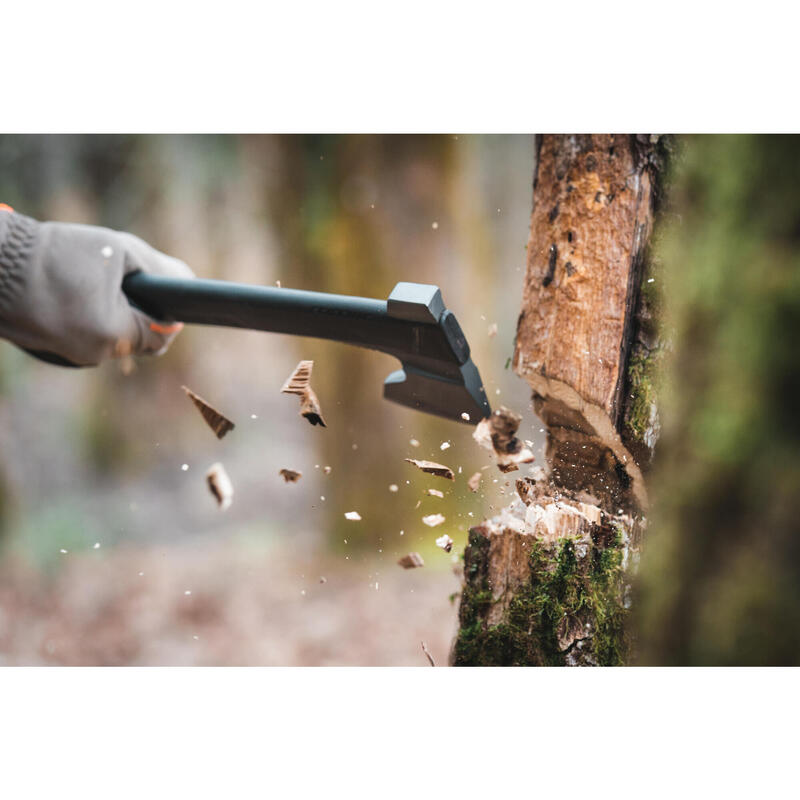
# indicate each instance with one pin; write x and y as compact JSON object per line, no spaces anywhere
{"x":310,"y":409}
{"x":432,"y":520}
{"x":474,"y":482}
{"x":432,"y":468}
{"x":435,"y":493}
{"x":353,"y":515}
{"x":218,"y":422}
{"x":290,"y":475}
{"x":220,"y":485}
{"x":496,"y":433}
{"x":427,"y":654}
{"x":411,"y":560}
{"x":299,"y":383}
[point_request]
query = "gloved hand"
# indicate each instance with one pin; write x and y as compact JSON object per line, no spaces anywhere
{"x":60,"y":291}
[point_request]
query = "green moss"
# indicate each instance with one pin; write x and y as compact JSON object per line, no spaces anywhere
{"x":643,"y":372}
{"x":562,"y":588}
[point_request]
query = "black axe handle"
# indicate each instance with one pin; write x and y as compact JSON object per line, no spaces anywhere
{"x":437,"y":374}
{"x":354,"y":320}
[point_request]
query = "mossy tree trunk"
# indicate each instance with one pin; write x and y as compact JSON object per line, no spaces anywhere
{"x":546,"y":581}
{"x":720,"y":576}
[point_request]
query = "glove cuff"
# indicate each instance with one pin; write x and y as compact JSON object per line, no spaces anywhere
{"x":17,"y":235}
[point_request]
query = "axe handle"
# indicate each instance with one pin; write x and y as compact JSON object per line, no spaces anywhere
{"x":354,"y":320}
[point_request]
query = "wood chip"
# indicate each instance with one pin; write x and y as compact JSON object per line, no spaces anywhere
{"x":432,"y":520}
{"x":310,"y":409}
{"x":290,"y":475}
{"x":299,"y":383}
{"x":353,"y":515}
{"x":432,"y":468}
{"x":524,"y":489}
{"x":492,"y":329}
{"x":220,"y":485}
{"x":299,"y":380}
{"x":445,"y":542}
{"x":474,"y":482}
{"x":327,"y":470}
{"x":218,"y":422}
{"x":435,"y":493}
{"x":496,"y":433}
{"x":427,"y":654}
{"x":411,"y":561}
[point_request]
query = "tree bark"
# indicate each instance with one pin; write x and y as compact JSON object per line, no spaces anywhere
{"x":546,"y":580}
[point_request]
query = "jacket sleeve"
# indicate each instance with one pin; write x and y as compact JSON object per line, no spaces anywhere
{"x":17,"y":234}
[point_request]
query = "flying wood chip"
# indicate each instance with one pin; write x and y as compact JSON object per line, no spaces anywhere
{"x":218,"y":423}
{"x":411,"y":560}
{"x":496,"y":433}
{"x":220,"y":485}
{"x":435,"y":493}
{"x":299,"y":383}
{"x":432,"y":520}
{"x":432,"y":468}
{"x":290,"y":475}
{"x":445,"y":542}
{"x":474,"y":482}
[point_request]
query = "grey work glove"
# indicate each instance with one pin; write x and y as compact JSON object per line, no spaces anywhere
{"x":60,"y":291}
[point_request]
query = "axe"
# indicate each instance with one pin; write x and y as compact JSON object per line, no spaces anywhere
{"x":437,"y":375}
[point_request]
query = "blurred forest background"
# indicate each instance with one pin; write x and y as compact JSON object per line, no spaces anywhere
{"x":92,"y":461}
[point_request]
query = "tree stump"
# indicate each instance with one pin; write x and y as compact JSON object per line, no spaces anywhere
{"x":546,"y":580}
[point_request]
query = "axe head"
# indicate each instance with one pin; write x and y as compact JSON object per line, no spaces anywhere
{"x":437,"y":376}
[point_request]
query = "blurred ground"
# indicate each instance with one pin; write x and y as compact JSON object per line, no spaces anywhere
{"x":246,"y":606}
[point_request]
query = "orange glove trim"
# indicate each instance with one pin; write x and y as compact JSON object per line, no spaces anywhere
{"x":4,"y":207}
{"x":166,"y":330}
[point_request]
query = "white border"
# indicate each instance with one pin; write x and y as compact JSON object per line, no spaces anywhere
{"x":397,"y":732}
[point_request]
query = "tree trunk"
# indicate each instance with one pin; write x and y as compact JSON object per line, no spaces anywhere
{"x":545,"y":581}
